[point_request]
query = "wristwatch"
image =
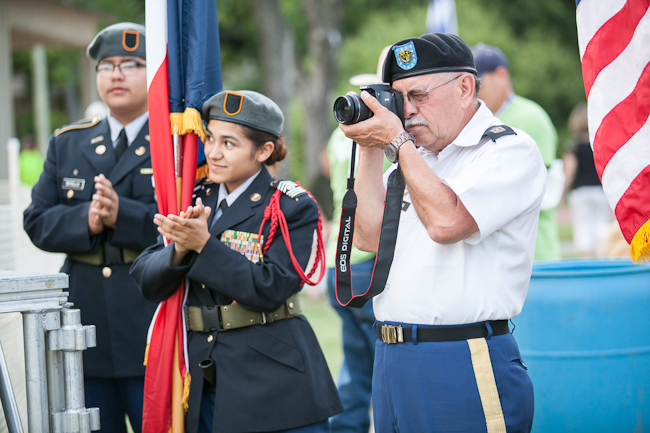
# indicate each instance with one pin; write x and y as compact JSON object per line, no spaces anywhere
{"x":391,"y":150}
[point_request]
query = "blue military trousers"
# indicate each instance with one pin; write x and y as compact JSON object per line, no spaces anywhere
{"x":479,"y":385}
{"x":116,"y":398}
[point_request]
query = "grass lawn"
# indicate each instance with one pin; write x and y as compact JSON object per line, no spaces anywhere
{"x":327,"y":326}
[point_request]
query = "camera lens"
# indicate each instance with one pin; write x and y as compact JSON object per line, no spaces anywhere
{"x":345,"y":110}
{"x":349,"y":109}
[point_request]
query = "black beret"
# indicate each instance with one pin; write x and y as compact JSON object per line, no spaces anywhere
{"x":247,"y":108}
{"x":428,"y":54}
{"x":121,"y":39}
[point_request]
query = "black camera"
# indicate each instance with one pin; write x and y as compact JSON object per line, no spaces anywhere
{"x":349,"y":109}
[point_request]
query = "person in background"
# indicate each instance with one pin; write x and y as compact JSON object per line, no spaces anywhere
{"x":95,"y":202}
{"x":358,"y":336}
{"x":31,"y":161}
{"x":590,"y":212}
{"x":262,"y":367}
{"x":516,"y":111}
{"x":319,"y":186}
{"x":445,"y":360}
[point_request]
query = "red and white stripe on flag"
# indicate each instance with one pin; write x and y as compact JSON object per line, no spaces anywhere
{"x":614,"y":40}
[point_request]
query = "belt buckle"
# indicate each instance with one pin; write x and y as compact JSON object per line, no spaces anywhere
{"x":267,"y":318}
{"x":391,"y":334}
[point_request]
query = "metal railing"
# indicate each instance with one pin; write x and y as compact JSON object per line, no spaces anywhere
{"x":53,"y":339}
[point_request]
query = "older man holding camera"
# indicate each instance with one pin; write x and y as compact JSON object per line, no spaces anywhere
{"x":445,"y":359}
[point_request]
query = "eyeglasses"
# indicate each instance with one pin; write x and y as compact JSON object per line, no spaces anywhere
{"x":127,"y":68}
{"x":421,"y":97}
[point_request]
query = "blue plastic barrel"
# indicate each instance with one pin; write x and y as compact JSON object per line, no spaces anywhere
{"x":584,"y":333}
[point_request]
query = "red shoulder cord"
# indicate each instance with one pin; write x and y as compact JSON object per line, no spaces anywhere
{"x":274,"y":214}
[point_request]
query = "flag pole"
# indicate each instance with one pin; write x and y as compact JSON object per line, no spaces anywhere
{"x":177,"y":172}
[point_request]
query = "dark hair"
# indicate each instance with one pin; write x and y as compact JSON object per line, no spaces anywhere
{"x":260,"y":137}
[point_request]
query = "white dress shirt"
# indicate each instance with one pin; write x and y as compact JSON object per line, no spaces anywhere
{"x":485,"y":276}
{"x":132,"y":129}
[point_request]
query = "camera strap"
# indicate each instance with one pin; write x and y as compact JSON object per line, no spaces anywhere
{"x":387,"y":239}
{"x":388,"y":236}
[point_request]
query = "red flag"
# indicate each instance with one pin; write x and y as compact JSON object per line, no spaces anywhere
{"x":179,"y":68}
{"x":615,"y":51}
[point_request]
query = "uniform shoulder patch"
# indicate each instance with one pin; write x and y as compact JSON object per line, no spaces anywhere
{"x":289,"y":188}
{"x":80,"y":125}
{"x":496,"y":131}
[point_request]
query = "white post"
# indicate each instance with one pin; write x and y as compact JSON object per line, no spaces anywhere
{"x":40,"y":97}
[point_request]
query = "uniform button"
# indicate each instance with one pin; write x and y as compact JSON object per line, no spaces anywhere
{"x":399,"y":248}
{"x":387,"y":286}
{"x":107,"y":272}
{"x":291,"y":305}
{"x":210,"y":338}
{"x":203,"y":286}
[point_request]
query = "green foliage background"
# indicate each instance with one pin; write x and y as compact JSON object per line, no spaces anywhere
{"x":539,"y":39}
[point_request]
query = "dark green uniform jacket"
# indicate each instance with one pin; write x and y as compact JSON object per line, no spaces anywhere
{"x":57,"y":221}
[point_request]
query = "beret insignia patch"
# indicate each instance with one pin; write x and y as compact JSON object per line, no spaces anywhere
{"x":232,"y":103}
{"x":405,"y":55}
{"x":130,"y":40}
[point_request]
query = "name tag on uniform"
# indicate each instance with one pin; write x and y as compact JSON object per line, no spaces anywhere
{"x":146,"y":171}
{"x":248,"y":244}
{"x":73,"y":183}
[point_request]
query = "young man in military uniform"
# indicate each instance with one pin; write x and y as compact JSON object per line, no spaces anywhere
{"x":95,"y":202}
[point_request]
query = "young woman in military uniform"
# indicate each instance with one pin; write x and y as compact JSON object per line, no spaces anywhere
{"x":261,"y":366}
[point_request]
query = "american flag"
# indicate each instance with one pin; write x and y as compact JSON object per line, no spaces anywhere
{"x":614,"y":40}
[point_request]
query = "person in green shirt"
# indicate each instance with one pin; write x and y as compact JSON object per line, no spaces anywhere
{"x":516,"y":111}
{"x":355,"y":377}
{"x":30,"y":162}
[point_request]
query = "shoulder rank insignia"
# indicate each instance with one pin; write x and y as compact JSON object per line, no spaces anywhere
{"x":289,"y":188}
{"x":201,"y":186}
{"x":497,"y":131}
{"x":81,"y":125}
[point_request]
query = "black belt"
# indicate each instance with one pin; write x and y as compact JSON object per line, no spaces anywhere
{"x":400,"y":334}
{"x":106,"y":255}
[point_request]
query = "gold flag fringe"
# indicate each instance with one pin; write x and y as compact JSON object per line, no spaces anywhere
{"x":189,"y":121}
{"x":202,"y":172}
{"x":186,"y":391}
{"x":640,"y":245}
{"x":146,"y":355}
